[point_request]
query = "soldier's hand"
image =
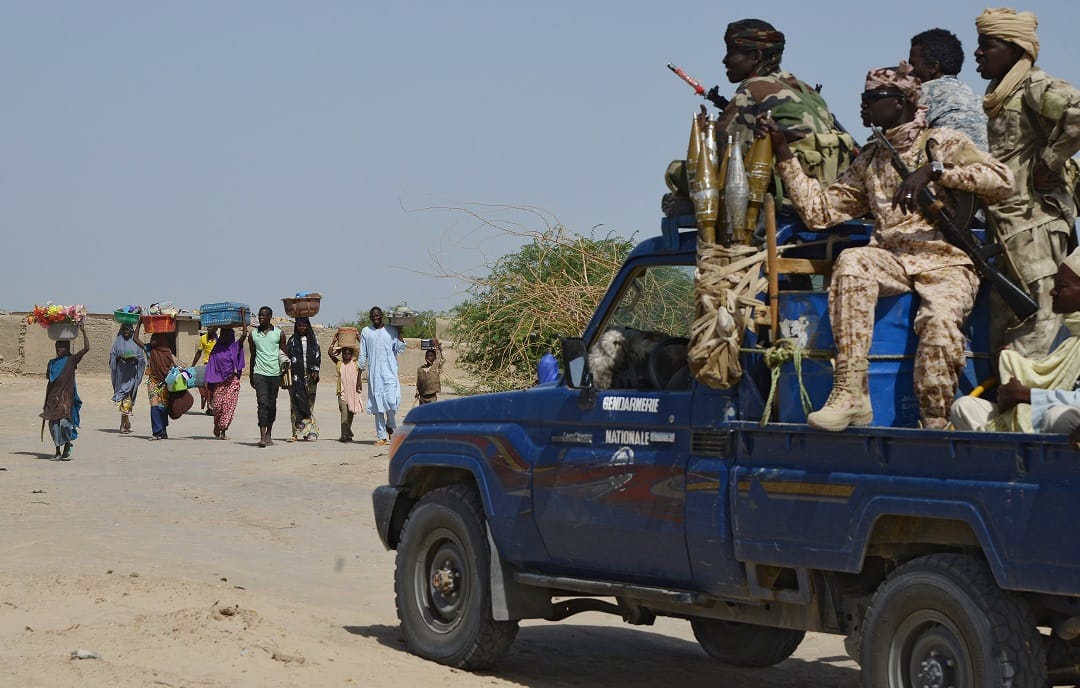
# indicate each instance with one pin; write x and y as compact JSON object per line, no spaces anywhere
{"x":714,"y":97}
{"x":1012,"y":393}
{"x":702,"y":117}
{"x":766,"y":126}
{"x":1045,"y":179}
{"x":907,"y":194}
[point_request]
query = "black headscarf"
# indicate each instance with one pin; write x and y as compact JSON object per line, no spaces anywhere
{"x":300,"y":366}
{"x":295,"y":350}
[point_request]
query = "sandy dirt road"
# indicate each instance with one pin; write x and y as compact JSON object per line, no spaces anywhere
{"x":196,"y":562}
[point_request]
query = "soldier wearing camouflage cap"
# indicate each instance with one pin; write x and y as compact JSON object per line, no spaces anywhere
{"x":907,"y":253}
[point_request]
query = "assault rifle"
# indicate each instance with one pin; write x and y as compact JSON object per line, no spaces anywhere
{"x":1015,"y":297}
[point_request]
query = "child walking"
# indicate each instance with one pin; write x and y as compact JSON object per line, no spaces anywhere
{"x":429,"y":375}
{"x":349,"y":387}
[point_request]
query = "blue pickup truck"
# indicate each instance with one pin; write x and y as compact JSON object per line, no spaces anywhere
{"x":946,"y":558}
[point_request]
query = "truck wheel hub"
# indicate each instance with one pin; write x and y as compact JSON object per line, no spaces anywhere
{"x":932,"y":673}
{"x":445,"y":579}
{"x":933,"y":661}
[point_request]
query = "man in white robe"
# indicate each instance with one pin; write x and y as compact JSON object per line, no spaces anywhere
{"x":379,"y":349}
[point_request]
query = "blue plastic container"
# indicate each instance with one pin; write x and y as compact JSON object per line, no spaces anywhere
{"x":804,"y":316}
{"x":224,"y":314}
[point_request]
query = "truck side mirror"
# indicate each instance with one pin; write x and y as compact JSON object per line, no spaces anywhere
{"x":576,"y":363}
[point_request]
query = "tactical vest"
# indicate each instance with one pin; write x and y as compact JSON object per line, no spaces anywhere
{"x":824,"y":154}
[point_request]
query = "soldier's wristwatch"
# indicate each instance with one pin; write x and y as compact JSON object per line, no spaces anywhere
{"x":937,"y":168}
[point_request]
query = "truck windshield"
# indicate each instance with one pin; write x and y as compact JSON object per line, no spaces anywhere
{"x":646,"y":331}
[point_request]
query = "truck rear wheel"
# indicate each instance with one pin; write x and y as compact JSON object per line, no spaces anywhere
{"x":942,"y":621}
{"x":745,"y":645}
{"x":442,"y":584}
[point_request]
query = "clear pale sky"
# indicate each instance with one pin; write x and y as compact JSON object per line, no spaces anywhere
{"x":244,"y":151}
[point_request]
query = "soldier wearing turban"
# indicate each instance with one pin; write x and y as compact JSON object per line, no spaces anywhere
{"x":1034,"y":128}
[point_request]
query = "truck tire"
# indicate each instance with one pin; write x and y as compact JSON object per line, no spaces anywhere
{"x":745,"y":645}
{"x":442,"y":584}
{"x":941,"y":620}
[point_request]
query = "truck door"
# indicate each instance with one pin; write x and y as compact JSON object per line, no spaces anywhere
{"x":609,"y":490}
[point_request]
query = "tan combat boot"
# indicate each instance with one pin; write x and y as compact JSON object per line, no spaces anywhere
{"x":849,"y":402}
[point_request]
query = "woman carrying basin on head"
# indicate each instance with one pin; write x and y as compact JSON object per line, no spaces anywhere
{"x":127,"y":363}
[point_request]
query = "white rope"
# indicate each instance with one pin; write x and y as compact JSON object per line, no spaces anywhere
{"x":726,"y":284}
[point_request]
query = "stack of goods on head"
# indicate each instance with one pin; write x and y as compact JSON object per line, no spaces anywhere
{"x":224,"y":314}
{"x":62,"y":322}
{"x":303,"y":305}
{"x":128,"y":315}
{"x":401,"y":316}
{"x":161,"y":318}
{"x":347,"y":338}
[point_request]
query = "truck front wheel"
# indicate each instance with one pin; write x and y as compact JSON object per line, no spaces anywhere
{"x":942,"y":621}
{"x":442,"y":584}
{"x":745,"y":645}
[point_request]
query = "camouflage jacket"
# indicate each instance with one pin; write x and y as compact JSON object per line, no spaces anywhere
{"x":757,"y":95}
{"x":869,"y":184}
{"x":953,"y":105}
{"x":1039,"y":121}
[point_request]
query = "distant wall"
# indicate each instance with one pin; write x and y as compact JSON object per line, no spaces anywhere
{"x":11,"y":332}
{"x":26,"y":349}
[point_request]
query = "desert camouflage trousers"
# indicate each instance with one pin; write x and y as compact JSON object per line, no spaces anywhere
{"x":946,"y":296}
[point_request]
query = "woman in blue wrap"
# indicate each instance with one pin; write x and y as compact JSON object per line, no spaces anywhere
{"x":127,"y":363}
{"x":62,"y":402}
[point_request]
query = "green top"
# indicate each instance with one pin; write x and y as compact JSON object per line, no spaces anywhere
{"x":267,"y":346}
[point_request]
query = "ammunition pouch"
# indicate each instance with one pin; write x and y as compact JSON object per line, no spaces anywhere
{"x":824,"y":156}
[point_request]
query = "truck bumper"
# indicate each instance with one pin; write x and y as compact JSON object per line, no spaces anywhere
{"x":384,"y":498}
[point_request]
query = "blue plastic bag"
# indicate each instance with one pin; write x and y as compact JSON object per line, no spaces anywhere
{"x":175,"y":381}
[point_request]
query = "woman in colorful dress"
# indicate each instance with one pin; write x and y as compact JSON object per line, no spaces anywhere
{"x":127,"y":363}
{"x":223,"y":370}
{"x":62,"y":402}
{"x":161,"y":361}
{"x":304,"y":358}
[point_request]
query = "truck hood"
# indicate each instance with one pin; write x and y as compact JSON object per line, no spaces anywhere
{"x":484,"y":408}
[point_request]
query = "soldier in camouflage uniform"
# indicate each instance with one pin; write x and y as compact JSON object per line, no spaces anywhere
{"x":1034,"y":128}
{"x":754,"y":49}
{"x":906,"y":252}
{"x":936,"y":57}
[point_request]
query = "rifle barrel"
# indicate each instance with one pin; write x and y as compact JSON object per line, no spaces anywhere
{"x":1015,"y":297}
